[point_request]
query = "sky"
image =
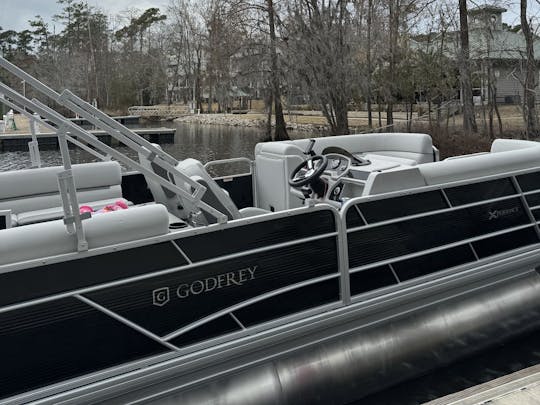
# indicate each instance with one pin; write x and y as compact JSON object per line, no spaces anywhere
{"x":14,"y":14}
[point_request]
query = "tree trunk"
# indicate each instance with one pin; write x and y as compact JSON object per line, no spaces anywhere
{"x":280,"y":132}
{"x":368,"y":53}
{"x":531,"y":77}
{"x":393,"y":32}
{"x":469,"y":119}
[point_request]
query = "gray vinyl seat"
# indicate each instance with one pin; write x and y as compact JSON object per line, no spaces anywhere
{"x":214,"y":196}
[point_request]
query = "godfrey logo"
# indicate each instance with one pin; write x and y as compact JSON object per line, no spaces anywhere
{"x":161,"y":296}
{"x":496,"y":214}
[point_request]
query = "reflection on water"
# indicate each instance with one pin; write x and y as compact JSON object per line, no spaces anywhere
{"x":202,"y":142}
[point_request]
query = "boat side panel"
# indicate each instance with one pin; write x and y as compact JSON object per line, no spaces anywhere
{"x":424,"y":232}
{"x":50,"y":342}
{"x":256,"y":235}
{"x":198,"y":292}
{"x":42,"y":281}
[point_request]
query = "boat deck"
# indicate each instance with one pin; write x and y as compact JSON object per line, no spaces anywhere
{"x":521,"y":387}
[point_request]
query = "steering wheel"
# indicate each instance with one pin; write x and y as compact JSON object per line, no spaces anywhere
{"x":308,"y":171}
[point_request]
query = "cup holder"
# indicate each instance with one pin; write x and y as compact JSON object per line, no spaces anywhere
{"x":177,"y":225}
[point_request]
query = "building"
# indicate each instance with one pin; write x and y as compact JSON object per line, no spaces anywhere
{"x":495,"y":48}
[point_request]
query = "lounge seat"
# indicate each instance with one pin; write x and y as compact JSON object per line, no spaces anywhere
{"x":47,"y":239}
{"x":32,"y":195}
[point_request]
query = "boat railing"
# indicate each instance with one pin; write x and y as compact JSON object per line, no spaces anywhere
{"x":69,"y":131}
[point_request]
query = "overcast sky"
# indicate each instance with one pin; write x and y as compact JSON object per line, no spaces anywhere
{"x":14,"y":14}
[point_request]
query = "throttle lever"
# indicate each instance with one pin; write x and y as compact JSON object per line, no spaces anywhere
{"x":309,"y":148}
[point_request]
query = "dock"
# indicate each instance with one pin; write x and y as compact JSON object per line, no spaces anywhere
{"x":49,"y":141}
{"x":123,"y":119}
{"x":521,"y":387}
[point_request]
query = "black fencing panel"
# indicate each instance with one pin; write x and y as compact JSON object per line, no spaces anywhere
{"x":415,"y":235}
{"x":192,"y":294}
{"x":240,"y":189}
{"x":529,"y":182}
{"x":402,"y":206}
{"x":42,"y":281}
{"x":434,"y":235}
{"x":433,"y":262}
{"x":475,"y":192}
{"x":51,"y":342}
{"x":257,"y":235}
{"x":371,"y":279}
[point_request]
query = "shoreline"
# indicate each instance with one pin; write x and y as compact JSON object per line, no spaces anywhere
{"x":247,"y":121}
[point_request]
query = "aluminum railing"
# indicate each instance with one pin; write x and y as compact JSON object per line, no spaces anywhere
{"x":69,"y":132}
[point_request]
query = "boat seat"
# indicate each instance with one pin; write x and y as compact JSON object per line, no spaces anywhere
{"x":507,"y":155}
{"x":49,"y":214}
{"x":275,"y":161}
{"x":215,"y":196}
{"x":48,"y":239}
{"x":32,"y":195}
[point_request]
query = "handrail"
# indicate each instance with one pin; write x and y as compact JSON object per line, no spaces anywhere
{"x":114,"y":129}
{"x":43,"y":122}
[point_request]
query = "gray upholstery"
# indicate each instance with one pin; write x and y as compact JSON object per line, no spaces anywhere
{"x":214,"y":195}
{"x":482,"y":165}
{"x":36,"y":190}
{"x":162,"y":195}
{"x":393,"y":179}
{"x":50,"y":238}
{"x":275,"y":161}
{"x":417,"y":147}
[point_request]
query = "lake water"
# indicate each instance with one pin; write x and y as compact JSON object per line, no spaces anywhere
{"x":202,"y":142}
{"x":207,"y":143}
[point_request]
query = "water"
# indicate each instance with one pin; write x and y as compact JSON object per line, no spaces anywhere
{"x":202,"y":142}
{"x":208,"y":143}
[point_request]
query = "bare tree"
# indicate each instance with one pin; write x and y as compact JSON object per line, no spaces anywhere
{"x":319,"y":56}
{"x":469,"y":119}
{"x":531,"y":76}
{"x":280,"y":132}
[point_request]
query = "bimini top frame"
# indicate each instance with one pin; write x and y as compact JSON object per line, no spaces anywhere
{"x":67,"y":129}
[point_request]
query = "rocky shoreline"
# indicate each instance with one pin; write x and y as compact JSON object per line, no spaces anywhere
{"x":239,"y":121}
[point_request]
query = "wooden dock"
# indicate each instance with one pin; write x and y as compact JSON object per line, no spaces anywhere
{"x":49,"y":141}
{"x":521,"y":387}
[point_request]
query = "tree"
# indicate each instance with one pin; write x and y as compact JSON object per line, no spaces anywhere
{"x":469,"y":119}
{"x":280,"y":131}
{"x":531,"y":76}
{"x":319,"y":56}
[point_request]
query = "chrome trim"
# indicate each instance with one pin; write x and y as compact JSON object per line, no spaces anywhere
{"x":125,"y":321}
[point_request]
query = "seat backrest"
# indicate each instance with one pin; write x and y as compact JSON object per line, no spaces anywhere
{"x":476,"y":166}
{"x":35,"y":189}
{"x":414,"y":146}
{"x":214,"y":195}
{"x":162,"y":195}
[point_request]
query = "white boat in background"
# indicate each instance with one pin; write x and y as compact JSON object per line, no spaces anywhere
{"x":331,"y":269}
